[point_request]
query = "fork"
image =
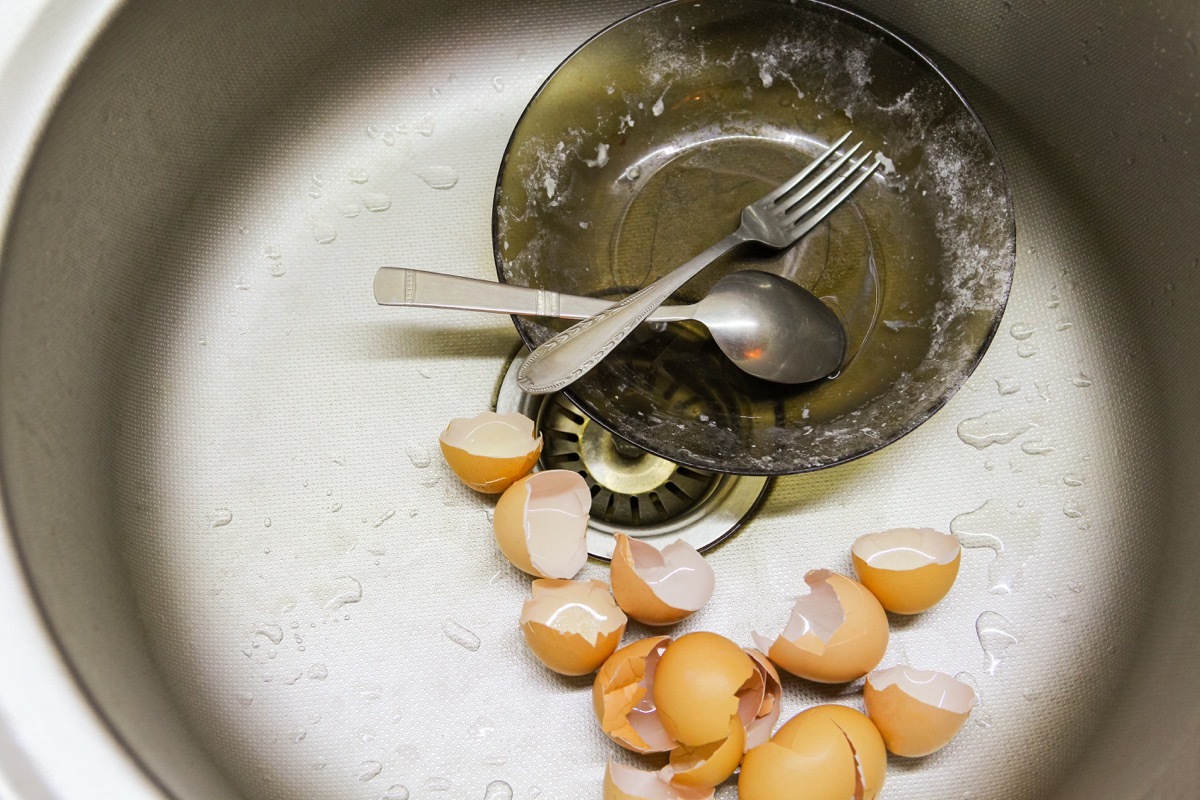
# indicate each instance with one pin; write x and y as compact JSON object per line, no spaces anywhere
{"x":777,"y":220}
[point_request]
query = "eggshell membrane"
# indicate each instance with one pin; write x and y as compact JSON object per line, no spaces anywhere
{"x":759,"y":706}
{"x":572,"y":626}
{"x":814,"y":731}
{"x":490,"y":451}
{"x":660,"y":587}
{"x":917,"y":711}
{"x":696,"y":686}
{"x":623,"y":699}
{"x":908,"y":569}
{"x":837,"y":633}
{"x":629,"y":783}
{"x":541,"y":523}
{"x":708,"y":765}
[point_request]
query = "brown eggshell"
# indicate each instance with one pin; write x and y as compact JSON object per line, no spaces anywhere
{"x":816,"y":730}
{"x":540,"y":523}
{"x":490,"y":451}
{"x":708,"y":765}
{"x":659,"y":587}
{"x":572,"y":626}
{"x":822,"y":770}
{"x":840,"y":631}
{"x":917,"y":712}
{"x":696,"y":686}
{"x":908,"y":569}
{"x":623,"y":700}
{"x":629,"y":783}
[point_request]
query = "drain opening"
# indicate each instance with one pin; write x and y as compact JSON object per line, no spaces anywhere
{"x":633,"y":491}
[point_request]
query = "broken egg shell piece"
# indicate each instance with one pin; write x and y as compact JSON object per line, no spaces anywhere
{"x":541,"y":523}
{"x":917,"y":711}
{"x":623,"y":698}
{"x":696,"y":686}
{"x":708,"y":765}
{"x":759,"y":706}
{"x":622,"y":782}
{"x":908,"y":569}
{"x":660,"y":587}
{"x":490,"y":451}
{"x":834,"y":752}
{"x":837,"y":633}
{"x":572,"y":626}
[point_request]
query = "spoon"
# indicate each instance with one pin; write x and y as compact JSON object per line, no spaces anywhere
{"x":768,"y":326}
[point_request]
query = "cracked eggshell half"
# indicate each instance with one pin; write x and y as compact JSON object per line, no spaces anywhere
{"x":834,"y":752}
{"x":759,"y":704}
{"x":490,"y":451}
{"x":917,"y":711}
{"x":572,"y":626}
{"x":908,"y":569}
{"x":541,"y":523}
{"x":622,"y":782}
{"x":708,"y":765}
{"x":623,"y":697}
{"x":660,"y":587}
{"x":837,"y":633}
{"x":696,"y":687}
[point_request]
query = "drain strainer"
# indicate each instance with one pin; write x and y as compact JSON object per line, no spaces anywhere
{"x":633,"y":491}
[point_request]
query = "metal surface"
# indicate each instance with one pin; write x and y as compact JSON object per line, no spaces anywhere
{"x":765,"y":324}
{"x":145,"y":396}
{"x":633,"y":491}
{"x":776,"y":220}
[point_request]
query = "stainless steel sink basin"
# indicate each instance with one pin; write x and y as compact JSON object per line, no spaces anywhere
{"x":232,"y":563}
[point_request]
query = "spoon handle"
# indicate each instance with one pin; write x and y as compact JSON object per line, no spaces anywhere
{"x":399,"y":286}
{"x":563,"y":359}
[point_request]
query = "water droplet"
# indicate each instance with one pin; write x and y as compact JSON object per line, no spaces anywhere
{"x":1081,"y":380}
{"x":1063,"y":325}
{"x":245,"y":698}
{"x":388,"y":138}
{"x":372,"y":132}
{"x":350,"y":210}
{"x":1053,"y":301}
{"x":980,"y":714}
{"x":438,"y":177}
{"x":291,"y":681}
{"x":315,"y":194}
{"x":424,"y":125}
{"x":266,"y":522}
{"x":396,"y":792}
{"x":419,"y":456}
{"x":1073,"y":480}
{"x":994,"y":427}
{"x":221,"y":518}
{"x":369,"y":771}
{"x":1007,"y":386}
{"x":1021,"y":331}
{"x":460,"y":635}
{"x":437,"y":784}
{"x":1072,"y":510}
{"x":277,"y":270}
{"x":272,"y":252}
{"x":336,"y":507}
{"x":1026,"y":350}
{"x":482,"y":728}
{"x":298,"y":735}
{"x":1010,"y":534}
{"x":323,"y":232}
{"x":318,"y":672}
{"x":391,"y":512}
{"x":995,"y":637}
{"x":1037,"y":448}
{"x":424,"y":373}
{"x":376,"y":202}
{"x":1031,"y":694}
{"x":498,"y":790}
{"x":498,"y":83}
{"x":348,"y":591}
{"x":357,"y":175}
{"x":274,"y":633}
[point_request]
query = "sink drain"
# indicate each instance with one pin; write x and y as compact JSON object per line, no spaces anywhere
{"x":633,"y":491}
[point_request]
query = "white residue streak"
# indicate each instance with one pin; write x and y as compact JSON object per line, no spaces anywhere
{"x":601,"y":157}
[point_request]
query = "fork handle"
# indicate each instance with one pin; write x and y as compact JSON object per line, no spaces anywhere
{"x":563,"y":359}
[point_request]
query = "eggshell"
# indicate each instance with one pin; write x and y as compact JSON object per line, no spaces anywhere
{"x":623,"y":699}
{"x":490,"y":451}
{"x":759,"y":704}
{"x":572,"y":626}
{"x":917,"y":711}
{"x":908,"y":569}
{"x":541,"y":523}
{"x":837,"y":633}
{"x":708,"y":765}
{"x":696,"y":686}
{"x":659,"y":587}
{"x":628,"y":783}
{"x":832,"y":751}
